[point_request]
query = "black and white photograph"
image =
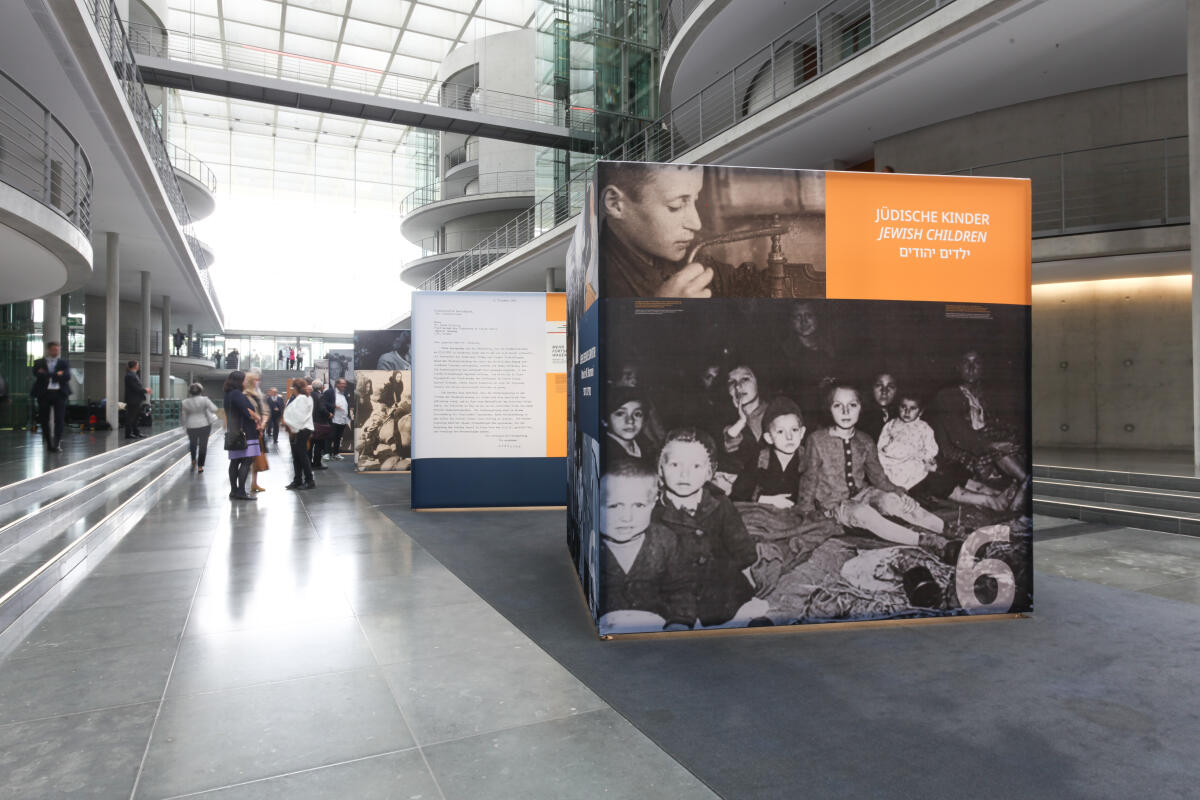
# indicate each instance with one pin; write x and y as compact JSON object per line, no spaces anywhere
{"x":382,"y":350}
{"x":383,"y":421}
{"x":773,"y":463}
{"x":686,"y":231}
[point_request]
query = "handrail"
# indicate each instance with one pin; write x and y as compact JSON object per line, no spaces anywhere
{"x":487,"y":183}
{"x":183,"y":160}
{"x":463,"y":154}
{"x":117,"y":47}
{"x":40,"y":158}
{"x":239,"y":57}
{"x":672,"y":16}
{"x":452,"y":242}
{"x":1114,"y":187}
{"x":836,"y":33}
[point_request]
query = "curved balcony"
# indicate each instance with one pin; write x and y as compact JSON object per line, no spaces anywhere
{"x":196,"y":179}
{"x":45,"y":200}
{"x":427,"y":209}
{"x":462,"y":160}
{"x":439,"y":250}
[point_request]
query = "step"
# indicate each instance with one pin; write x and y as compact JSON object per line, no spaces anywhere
{"x":1182,"y":522}
{"x":1146,"y":480}
{"x":1154,"y":499}
{"x":35,"y":578}
{"x":33,"y":489}
{"x":73,"y":497}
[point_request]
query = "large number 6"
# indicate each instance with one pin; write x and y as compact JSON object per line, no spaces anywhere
{"x":970,"y":569}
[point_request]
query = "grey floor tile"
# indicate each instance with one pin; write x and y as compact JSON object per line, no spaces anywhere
{"x":1186,"y":590}
{"x":1042,"y":522}
{"x":209,"y":741}
{"x":120,"y":562}
{"x":267,"y":607}
{"x":106,"y":591}
{"x":243,"y":658}
{"x":1096,"y":567}
{"x":68,"y":630}
{"x":586,"y":756}
{"x":145,"y":539}
{"x":428,"y":587}
{"x":93,"y":755}
{"x":387,"y":777}
{"x":465,"y":694}
{"x":53,"y":684}
{"x":426,"y":632}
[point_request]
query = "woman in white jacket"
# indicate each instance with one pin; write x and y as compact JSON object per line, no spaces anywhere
{"x":197,"y":416}
{"x":298,"y":421}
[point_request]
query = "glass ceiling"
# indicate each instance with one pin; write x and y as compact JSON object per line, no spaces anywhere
{"x":370,"y":46}
{"x":305,"y":161}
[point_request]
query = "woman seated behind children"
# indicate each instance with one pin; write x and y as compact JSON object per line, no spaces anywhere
{"x":908,"y":453}
{"x":712,"y":537}
{"x":844,"y":480}
{"x":641,"y":564}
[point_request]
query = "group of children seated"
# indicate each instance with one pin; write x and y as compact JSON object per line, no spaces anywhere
{"x":674,"y":545}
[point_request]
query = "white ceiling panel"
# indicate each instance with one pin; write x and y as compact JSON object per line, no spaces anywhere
{"x":368,"y":34}
{"x":386,"y":12}
{"x":364,"y":57}
{"x":309,"y":46}
{"x":328,"y":6}
{"x":312,"y":23}
{"x":420,"y":45}
{"x":265,"y":13}
{"x":241,"y":33}
{"x":436,"y":22}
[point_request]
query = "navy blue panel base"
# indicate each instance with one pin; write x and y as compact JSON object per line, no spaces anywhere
{"x":488,"y":482}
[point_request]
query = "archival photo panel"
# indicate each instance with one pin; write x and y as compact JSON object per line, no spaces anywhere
{"x":383,"y":421}
{"x":775,"y":463}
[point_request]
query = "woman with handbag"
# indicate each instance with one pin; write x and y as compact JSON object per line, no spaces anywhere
{"x":260,"y":407}
{"x":241,"y":435}
{"x":298,"y":421}
{"x":197,"y":417}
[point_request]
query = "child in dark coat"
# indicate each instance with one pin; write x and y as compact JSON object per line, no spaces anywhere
{"x":712,"y":536}
{"x":774,"y":479}
{"x":642,"y":566}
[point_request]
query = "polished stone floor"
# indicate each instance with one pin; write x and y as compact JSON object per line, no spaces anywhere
{"x":300,"y":646}
{"x":23,"y":455}
{"x":309,"y":646}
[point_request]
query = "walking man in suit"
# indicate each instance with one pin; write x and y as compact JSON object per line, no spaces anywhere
{"x":135,"y":395}
{"x":275,"y":404}
{"x":52,"y":387}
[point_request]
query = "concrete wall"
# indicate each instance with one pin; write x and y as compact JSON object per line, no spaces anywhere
{"x":1112,"y":363}
{"x":1129,"y":112}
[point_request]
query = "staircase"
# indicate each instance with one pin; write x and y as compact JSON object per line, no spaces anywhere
{"x":56,"y":526}
{"x":1169,"y":503}
{"x":277,"y":379}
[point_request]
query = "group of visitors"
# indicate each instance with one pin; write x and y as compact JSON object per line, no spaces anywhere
{"x":292,"y":358}
{"x":314,"y":417}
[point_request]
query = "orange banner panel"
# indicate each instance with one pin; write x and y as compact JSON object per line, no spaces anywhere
{"x":928,"y":237}
{"x":556,"y":307}
{"x":556,"y":415}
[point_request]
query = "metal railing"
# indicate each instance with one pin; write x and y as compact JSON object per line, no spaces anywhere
{"x":461,"y":155}
{"x":39,"y":156}
{"x":185,"y":162}
{"x":487,"y":183}
{"x":240,"y":57}
{"x":834,"y":34}
{"x":115,"y":44}
{"x":672,"y":16}
{"x":1133,"y":185}
{"x":452,"y":242}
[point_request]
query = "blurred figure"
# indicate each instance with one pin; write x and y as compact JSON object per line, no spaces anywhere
{"x":135,"y":395}
{"x":240,"y":415}
{"x":51,"y":388}
{"x":197,"y":417}
{"x":297,"y":420}
{"x":260,"y":407}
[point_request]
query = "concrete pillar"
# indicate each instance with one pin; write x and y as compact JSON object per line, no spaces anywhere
{"x":52,"y":321}
{"x":164,"y":378}
{"x":144,"y":339}
{"x":112,"y":329}
{"x":549,"y":279}
{"x":187,"y":346}
{"x":1193,"y":93}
